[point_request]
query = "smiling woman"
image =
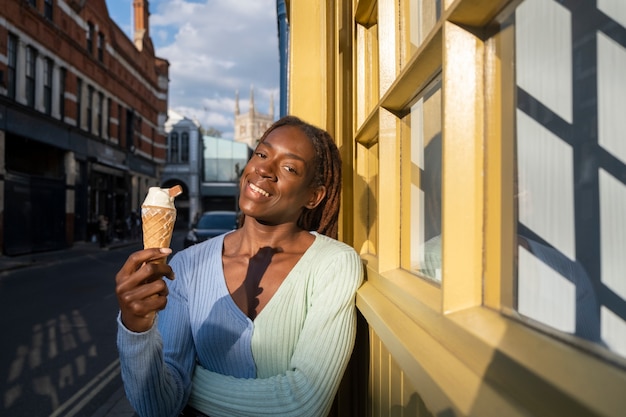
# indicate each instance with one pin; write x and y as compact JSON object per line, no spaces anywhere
{"x":260,"y":320}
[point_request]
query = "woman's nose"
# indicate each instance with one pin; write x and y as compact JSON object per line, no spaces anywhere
{"x":265,"y":170}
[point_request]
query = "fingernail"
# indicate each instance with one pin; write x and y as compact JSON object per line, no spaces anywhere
{"x":165,"y":250}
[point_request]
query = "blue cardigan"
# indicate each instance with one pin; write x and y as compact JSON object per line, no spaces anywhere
{"x":204,"y":350}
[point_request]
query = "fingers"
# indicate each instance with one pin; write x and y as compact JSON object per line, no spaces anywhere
{"x":141,"y":294}
{"x":136,"y":259}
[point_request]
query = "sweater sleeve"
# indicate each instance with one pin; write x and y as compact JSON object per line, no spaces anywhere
{"x":318,"y":362}
{"x":156,"y":370}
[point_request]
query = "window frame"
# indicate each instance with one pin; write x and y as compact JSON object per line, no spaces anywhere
{"x":48,"y":72}
{"x":30,"y":75}
{"x":12,"y":51}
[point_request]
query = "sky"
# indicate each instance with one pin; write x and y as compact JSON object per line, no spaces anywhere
{"x":215,"y":48}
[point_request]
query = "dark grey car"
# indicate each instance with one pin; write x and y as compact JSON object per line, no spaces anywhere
{"x":211,"y":224}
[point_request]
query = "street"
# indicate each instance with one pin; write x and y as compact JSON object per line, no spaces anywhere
{"x":58,"y":319}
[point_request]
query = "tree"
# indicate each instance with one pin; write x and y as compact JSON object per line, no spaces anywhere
{"x":211,"y":131}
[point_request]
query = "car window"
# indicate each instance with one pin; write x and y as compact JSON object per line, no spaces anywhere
{"x":217,"y":221}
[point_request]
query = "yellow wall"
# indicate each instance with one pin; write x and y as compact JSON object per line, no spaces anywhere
{"x":447,"y":349}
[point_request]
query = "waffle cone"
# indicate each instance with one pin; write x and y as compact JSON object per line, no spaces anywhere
{"x":158,"y":226}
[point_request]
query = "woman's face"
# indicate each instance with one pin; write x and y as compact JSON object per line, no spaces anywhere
{"x":276,"y":183}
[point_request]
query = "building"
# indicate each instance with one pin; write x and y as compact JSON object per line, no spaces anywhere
{"x":82,"y":109}
{"x":250,"y":126}
{"x":224,"y":160}
{"x":184,"y":166}
{"x":485,"y":189}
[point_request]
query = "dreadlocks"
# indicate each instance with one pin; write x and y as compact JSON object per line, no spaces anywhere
{"x":324,"y":217}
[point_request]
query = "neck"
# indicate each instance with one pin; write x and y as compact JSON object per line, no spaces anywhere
{"x":255,"y":235}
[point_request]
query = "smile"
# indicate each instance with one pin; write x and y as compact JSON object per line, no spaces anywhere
{"x":259,"y":190}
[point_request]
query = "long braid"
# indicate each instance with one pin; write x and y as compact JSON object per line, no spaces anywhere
{"x":324,"y":217}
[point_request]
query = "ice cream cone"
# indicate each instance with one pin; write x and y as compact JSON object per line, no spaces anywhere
{"x":158,"y":220}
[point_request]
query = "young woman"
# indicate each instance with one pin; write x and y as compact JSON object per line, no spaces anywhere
{"x":259,"y":321}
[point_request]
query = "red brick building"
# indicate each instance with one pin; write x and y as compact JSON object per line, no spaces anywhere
{"x":82,"y":113}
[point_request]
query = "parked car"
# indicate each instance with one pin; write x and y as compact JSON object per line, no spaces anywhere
{"x":211,"y":224}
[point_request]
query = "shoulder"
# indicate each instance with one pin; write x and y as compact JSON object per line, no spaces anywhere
{"x":329,"y":245}
{"x":330,"y":254}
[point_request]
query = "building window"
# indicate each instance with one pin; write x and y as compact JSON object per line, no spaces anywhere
{"x":100,"y":113}
{"x":130,"y":132}
{"x":109,"y":113}
{"x":62,"y":82}
{"x":119,"y":122}
{"x":47,"y":9}
{"x":79,"y":101}
{"x":90,"y":35}
{"x":184,"y":147}
{"x":173,"y":148}
{"x":31,"y":72}
{"x":100,"y":46}
{"x":89,"y":108}
{"x":138,"y":131}
{"x":48,"y":67}
{"x":12,"y":66}
{"x":33,"y":3}
{"x":425,"y":184}
{"x":567,"y":93}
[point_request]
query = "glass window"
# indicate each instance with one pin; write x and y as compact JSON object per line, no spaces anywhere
{"x":31,"y":71}
{"x":571,"y":168}
{"x":47,"y":9}
{"x":423,"y":184}
{"x":47,"y":85}
{"x":100,"y":46}
{"x":119,"y":122}
{"x":174,"y":147}
{"x":184,"y":147}
{"x":62,"y":82}
{"x":89,"y":108}
{"x":109,"y":113}
{"x":12,"y":66}
{"x":424,"y":14}
{"x":90,"y":33}
{"x":100,"y":114}
{"x":79,"y":100}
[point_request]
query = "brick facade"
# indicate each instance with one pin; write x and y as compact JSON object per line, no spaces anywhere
{"x":82,"y":113}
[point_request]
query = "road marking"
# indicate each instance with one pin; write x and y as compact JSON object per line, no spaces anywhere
{"x":102,"y":379}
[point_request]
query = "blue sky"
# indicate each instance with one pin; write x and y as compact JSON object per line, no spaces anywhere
{"x":214,"y":48}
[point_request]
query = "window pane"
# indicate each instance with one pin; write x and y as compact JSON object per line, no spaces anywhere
{"x":425,"y":184}
{"x":571,"y":168}
{"x":12,"y":66}
{"x":424,"y":16}
{"x":184,"y":147}
{"x":47,"y":85}
{"x":31,"y":70}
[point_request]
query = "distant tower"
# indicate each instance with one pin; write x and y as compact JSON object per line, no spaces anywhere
{"x":250,"y":126}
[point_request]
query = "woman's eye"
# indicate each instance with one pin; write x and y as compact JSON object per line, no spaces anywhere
{"x":260,"y":154}
{"x":290,"y":169}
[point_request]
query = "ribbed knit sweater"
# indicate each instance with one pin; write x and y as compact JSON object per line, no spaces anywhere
{"x":204,"y":350}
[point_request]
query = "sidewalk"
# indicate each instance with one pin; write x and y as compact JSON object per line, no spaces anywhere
{"x":117,"y":405}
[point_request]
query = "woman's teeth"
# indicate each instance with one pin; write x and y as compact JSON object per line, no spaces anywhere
{"x":259,"y":190}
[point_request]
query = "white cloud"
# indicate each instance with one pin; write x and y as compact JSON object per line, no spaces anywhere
{"x":214,"y":48}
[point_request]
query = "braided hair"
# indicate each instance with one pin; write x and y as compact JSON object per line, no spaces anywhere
{"x":324,"y":217}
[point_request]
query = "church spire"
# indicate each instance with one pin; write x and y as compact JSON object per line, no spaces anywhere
{"x":236,"y":102}
{"x":272,"y":106}
{"x":252,"y":100}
